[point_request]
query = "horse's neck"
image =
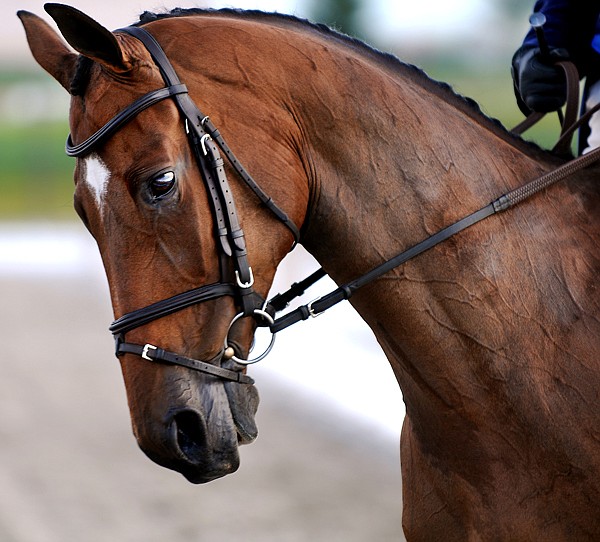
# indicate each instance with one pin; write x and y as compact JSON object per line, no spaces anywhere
{"x":396,"y":166}
{"x":393,"y":171}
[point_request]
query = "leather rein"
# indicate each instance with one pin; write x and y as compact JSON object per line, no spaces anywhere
{"x":206,"y":141}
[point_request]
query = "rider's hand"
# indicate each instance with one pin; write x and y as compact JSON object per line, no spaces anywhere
{"x":540,"y":85}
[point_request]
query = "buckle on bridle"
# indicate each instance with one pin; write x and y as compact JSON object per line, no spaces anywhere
{"x":146,"y":349}
{"x":312,"y":312}
{"x":203,"y":141}
{"x":245,"y":285}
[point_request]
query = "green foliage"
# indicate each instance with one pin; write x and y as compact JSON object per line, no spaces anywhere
{"x":515,"y":10}
{"x":492,"y":90}
{"x":35,"y":174}
{"x":343,"y":15}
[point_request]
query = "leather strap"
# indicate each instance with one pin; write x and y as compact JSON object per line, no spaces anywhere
{"x":152,"y":353}
{"x":250,"y":182}
{"x":162,"y":308}
{"x":569,"y":122}
{"x":570,"y":131}
{"x":146,"y":101}
{"x":281,"y":301}
{"x":201,"y":122}
{"x":563,"y":145}
{"x":225,"y":209}
{"x":345,"y":292}
{"x":529,"y":121}
{"x":501,"y":204}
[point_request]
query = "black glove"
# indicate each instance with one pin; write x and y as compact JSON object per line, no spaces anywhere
{"x":539,"y":84}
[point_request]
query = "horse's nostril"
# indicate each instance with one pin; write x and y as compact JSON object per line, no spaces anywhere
{"x":191,"y":434}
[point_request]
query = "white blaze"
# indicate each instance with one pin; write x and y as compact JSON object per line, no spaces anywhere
{"x":96,"y":177}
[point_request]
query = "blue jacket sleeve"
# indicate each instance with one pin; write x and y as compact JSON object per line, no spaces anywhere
{"x":571,"y":25}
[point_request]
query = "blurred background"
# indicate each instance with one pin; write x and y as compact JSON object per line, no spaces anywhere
{"x":326,"y":464}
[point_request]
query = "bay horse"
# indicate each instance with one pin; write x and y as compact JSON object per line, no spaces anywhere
{"x":493,"y":335}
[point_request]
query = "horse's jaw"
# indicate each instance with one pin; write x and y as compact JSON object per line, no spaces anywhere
{"x":194,"y":424}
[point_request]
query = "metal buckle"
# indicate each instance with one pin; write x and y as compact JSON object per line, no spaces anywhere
{"x":245,"y":285}
{"x":268,"y":318}
{"x":203,"y":141}
{"x":311,"y":311}
{"x":148,"y":347}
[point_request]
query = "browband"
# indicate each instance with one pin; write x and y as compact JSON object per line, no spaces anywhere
{"x":122,"y":118}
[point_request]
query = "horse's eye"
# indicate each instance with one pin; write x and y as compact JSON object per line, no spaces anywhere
{"x":162,"y":184}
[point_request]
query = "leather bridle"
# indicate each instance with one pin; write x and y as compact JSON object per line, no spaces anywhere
{"x":206,"y":141}
{"x":203,"y":137}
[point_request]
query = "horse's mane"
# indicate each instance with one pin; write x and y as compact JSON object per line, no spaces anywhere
{"x":390,"y":61}
{"x":441,"y":89}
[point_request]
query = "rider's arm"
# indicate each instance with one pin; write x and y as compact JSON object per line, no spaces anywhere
{"x":570,"y":25}
{"x":569,"y":30}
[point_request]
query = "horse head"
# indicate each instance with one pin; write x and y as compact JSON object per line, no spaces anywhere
{"x":141,"y":195}
{"x":492,"y":335}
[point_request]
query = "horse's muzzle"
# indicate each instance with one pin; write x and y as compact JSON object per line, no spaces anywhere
{"x":184,"y":445}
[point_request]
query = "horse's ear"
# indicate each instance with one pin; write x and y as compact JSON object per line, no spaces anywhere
{"x":48,"y":49}
{"x":89,"y":37}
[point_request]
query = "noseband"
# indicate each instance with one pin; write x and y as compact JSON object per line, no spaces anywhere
{"x":204,"y":138}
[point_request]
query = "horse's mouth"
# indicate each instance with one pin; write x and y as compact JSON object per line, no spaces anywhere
{"x":198,"y":460}
{"x":243,"y":403}
{"x":196,"y":475}
{"x":204,"y":422}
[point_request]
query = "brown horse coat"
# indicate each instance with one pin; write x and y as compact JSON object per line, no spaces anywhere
{"x":494,"y":336}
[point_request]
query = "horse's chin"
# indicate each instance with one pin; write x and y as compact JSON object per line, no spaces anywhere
{"x":199,"y":472}
{"x":195,"y":476}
